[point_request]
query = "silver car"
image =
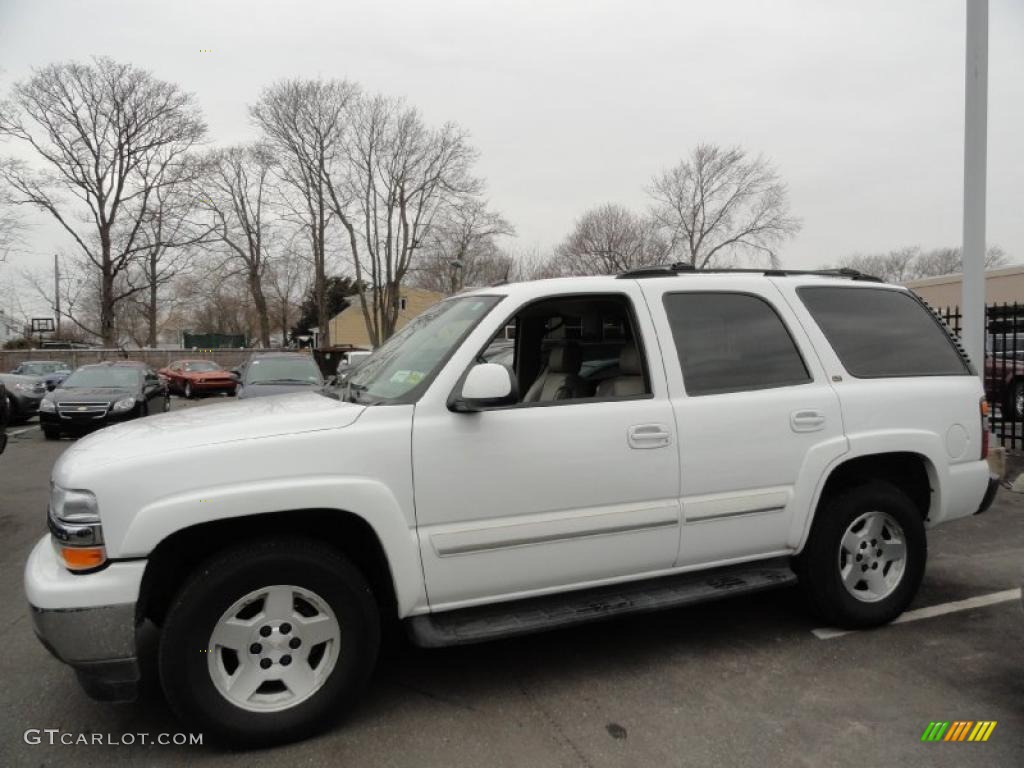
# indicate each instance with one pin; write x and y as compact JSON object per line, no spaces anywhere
{"x":23,"y":395}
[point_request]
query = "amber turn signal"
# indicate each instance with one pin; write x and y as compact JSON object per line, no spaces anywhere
{"x":83,"y":558}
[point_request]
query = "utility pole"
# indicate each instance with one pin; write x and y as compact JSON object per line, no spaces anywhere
{"x":56,"y":291}
{"x":975,"y":158}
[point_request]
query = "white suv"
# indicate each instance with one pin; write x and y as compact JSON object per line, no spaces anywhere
{"x":655,"y":439}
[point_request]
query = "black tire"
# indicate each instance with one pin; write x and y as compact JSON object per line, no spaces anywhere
{"x":51,"y":434}
{"x":229,"y":576}
{"x":13,"y":417}
{"x":818,"y":565}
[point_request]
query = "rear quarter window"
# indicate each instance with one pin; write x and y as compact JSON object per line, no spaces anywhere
{"x":880,"y":332}
{"x":731,"y":342}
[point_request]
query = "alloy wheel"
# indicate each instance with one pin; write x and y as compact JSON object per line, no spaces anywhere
{"x":273,"y":648}
{"x":872,"y":556}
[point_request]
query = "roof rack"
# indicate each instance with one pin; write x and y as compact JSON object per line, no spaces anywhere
{"x":682,"y":268}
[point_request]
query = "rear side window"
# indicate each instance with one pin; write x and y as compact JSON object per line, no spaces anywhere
{"x":732,"y":342}
{"x":879,"y":333}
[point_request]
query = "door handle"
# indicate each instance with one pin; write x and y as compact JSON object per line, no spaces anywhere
{"x":807,"y":421}
{"x":648,"y":436}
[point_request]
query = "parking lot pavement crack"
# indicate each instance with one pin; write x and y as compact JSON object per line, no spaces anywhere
{"x":556,"y":727}
{"x":11,"y":624}
{"x":432,"y":696}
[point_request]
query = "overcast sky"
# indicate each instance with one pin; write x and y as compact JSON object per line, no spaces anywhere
{"x":577,"y":103}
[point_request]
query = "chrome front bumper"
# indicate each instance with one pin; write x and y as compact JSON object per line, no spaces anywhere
{"x":98,"y":643}
{"x":88,"y":621}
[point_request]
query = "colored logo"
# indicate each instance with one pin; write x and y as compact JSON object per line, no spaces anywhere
{"x":959,"y":730}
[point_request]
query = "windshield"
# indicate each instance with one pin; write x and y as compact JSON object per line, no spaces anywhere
{"x":201,"y":365}
{"x":41,"y":369}
{"x":415,"y":353}
{"x":125,"y":378}
{"x":283,"y":370}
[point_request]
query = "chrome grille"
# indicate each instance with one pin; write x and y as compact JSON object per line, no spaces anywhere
{"x":69,"y":409}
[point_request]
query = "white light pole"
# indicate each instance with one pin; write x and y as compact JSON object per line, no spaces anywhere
{"x":972,"y":334}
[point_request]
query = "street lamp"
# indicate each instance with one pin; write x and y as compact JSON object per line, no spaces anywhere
{"x":975,"y":157}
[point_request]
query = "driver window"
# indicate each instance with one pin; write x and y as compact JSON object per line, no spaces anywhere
{"x":572,"y":349}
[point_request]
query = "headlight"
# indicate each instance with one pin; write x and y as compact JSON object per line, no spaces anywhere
{"x":73,"y":506}
{"x":74,"y":520}
{"x":46,"y":405}
{"x":124,"y":404}
{"x":23,"y":386}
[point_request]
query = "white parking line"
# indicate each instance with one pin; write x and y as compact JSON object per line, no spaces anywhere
{"x":827,"y":633}
{"x":17,"y":432}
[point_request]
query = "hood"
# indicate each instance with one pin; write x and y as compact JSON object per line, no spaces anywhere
{"x":16,"y":378}
{"x":263,"y":390}
{"x":92,"y":394}
{"x":223,"y":423}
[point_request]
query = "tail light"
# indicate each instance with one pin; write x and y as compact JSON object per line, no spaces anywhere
{"x":983,"y":408}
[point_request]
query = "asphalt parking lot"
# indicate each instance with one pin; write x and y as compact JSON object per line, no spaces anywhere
{"x":745,"y":682}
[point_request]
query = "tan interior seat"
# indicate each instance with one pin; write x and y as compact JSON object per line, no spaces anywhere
{"x":630,"y":380}
{"x":560,"y":378}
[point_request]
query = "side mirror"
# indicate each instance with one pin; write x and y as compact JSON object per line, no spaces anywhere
{"x":486,"y":385}
{"x":51,"y":385}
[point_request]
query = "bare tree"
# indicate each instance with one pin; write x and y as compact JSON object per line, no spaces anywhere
{"x":894,"y":266}
{"x":718,"y":205}
{"x":236,"y":192}
{"x":108,"y":135}
{"x":286,"y":278}
{"x":607,"y":240}
{"x":462,"y":249}
{"x":947,"y":261}
{"x":913,"y":263}
{"x":306,"y":121}
{"x":397,"y":176}
{"x":79,"y":291}
{"x":11,"y":225}
{"x":171,"y":233}
{"x":209,"y":301}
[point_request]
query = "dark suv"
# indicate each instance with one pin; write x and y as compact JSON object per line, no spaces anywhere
{"x":278,"y":373}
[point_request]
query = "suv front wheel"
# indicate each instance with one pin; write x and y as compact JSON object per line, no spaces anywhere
{"x":268,"y":643}
{"x":865,"y":557}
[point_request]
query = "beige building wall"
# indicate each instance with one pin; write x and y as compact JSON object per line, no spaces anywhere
{"x":1001,"y":285}
{"x":349,"y":326}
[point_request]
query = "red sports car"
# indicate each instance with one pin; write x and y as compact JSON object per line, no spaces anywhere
{"x":193,"y":377}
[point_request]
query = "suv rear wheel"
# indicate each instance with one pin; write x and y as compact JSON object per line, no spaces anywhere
{"x":268,"y":643}
{"x":865,"y":557}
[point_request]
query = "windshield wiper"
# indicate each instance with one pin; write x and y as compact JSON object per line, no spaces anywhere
{"x":285,"y":381}
{"x":355,"y":393}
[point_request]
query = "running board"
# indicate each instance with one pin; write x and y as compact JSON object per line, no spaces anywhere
{"x":567,"y":609}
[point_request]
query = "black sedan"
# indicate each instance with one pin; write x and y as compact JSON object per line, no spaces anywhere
{"x":277,"y":373}
{"x":101,"y":394}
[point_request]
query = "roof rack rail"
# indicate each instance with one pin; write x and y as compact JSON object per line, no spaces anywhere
{"x":682,"y":268}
